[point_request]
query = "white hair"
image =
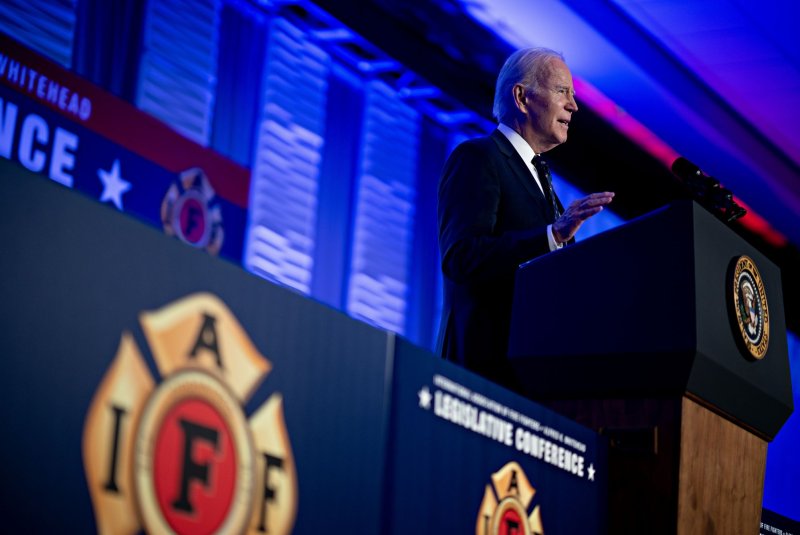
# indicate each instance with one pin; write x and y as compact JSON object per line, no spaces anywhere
{"x":522,"y":67}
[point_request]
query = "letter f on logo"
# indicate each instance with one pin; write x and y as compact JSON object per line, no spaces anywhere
{"x":192,"y":470}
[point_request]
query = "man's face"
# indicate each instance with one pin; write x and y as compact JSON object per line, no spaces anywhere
{"x":549,"y":111}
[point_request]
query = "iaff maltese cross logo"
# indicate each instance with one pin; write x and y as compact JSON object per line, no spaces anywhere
{"x":191,"y":212}
{"x":505,"y":509}
{"x":181,"y":456}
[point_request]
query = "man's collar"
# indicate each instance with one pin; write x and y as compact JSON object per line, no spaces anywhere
{"x":518,"y":142}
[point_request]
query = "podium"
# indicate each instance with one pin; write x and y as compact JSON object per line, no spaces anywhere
{"x":634,"y":333}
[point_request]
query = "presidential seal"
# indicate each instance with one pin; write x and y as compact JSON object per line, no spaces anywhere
{"x":507,"y":505}
{"x":749,"y":307}
{"x":175,"y":452}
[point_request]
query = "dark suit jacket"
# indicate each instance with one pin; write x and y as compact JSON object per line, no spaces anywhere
{"x":492,"y":217}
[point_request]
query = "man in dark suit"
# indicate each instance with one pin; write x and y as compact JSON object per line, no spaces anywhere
{"x":497,"y":210}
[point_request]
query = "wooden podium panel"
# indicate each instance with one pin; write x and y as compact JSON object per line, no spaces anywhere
{"x":675,"y":466}
{"x":721,"y":473}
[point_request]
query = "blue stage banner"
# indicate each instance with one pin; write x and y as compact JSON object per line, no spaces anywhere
{"x":149,"y":387}
{"x":467,"y":456}
{"x":57,"y":124}
{"x":153,"y":388}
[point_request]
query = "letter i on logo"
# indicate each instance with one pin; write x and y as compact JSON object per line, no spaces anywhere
{"x":108,"y":439}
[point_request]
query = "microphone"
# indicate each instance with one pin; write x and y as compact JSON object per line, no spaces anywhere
{"x":690,"y":173}
{"x":707,"y":191}
{"x":684,"y":168}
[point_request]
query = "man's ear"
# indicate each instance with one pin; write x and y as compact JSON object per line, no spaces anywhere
{"x":520,"y":97}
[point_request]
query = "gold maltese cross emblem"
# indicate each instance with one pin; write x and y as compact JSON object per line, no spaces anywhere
{"x":506,"y":505}
{"x":177,"y":453}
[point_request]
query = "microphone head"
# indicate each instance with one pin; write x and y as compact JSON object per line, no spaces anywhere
{"x":693,"y":177}
{"x":707,"y":191}
{"x":685,"y":169}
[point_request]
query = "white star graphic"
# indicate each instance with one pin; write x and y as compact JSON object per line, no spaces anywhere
{"x":424,"y":398}
{"x":591,"y":472}
{"x":113,"y":185}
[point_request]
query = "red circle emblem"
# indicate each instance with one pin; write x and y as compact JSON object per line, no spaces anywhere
{"x":194,"y":440}
{"x":192,"y":216}
{"x":194,"y":458}
{"x":511,"y":523}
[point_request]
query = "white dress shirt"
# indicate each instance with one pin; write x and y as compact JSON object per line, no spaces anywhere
{"x":526,"y":153}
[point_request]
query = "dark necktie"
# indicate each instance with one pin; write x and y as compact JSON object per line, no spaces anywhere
{"x":543,"y":170}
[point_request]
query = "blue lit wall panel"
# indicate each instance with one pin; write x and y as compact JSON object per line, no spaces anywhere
{"x":344,"y":119}
{"x":424,"y":298}
{"x":177,"y":76}
{"x":384,"y":211}
{"x":783,"y":457}
{"x":285,"y":171}
{"x":242,"y":44}
{"x":108,"y":40}
{"x":46,"y":27}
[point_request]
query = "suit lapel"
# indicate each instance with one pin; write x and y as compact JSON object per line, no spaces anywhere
{"x":519,"y":170}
